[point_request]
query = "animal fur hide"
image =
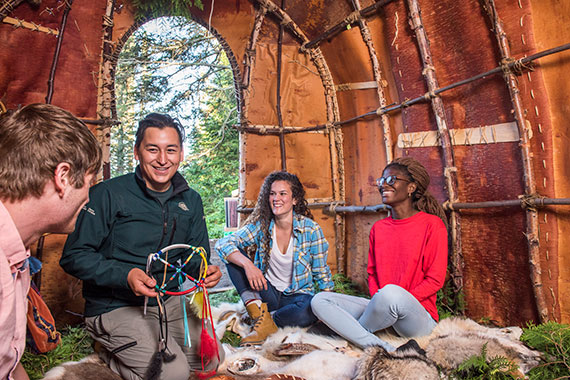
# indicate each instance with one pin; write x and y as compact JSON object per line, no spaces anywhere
{"x":332,"y":354}
{"x":451,"y":342}
{"x":410,"y":364}
{"x":89,"y":368}
{"x":298,"y":353}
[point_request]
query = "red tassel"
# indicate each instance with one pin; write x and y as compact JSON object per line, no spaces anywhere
{"x":208,"y":347}
{"x":205,"y":375}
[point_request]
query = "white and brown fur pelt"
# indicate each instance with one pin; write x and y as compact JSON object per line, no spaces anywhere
{"x":330,"y":358}
{"x":409,"y":364}
{"x":89,"y":368}
{"x":327,"y":359}
{"x":452,"y":341}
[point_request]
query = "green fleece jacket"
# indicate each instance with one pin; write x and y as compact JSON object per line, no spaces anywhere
{"x":117,"y":230}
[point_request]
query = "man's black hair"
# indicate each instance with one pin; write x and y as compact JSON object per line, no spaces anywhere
{"x":161,"y":121}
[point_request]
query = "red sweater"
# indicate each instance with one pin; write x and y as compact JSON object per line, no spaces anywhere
{"x":410,"y":253}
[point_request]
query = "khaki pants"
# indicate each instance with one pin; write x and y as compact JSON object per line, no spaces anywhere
{"x":130,"y":339}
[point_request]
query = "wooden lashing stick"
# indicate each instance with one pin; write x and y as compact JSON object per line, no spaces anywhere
{"x":377,"y":72}
{"x":17,"y":23}
{"x":7,"y":7}
{"x":529,"y":180}
{"x":450,"y":171}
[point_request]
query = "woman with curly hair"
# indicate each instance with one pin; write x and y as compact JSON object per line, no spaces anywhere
{"x":407,"y":262}
{"x":290,"y":254}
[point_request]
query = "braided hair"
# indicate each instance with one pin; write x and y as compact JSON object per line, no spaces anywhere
{"x":421,"y":198}
{"x":262,"y":212}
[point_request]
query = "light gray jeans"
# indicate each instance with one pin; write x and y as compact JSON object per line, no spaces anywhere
{"x":357,"y":319}
{"x":130,"y":339}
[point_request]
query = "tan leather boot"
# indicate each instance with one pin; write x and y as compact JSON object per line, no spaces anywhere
{"x":263,"y":327}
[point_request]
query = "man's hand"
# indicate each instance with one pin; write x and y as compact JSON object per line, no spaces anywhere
{"x":213,"y":275}
{"x":140,"y":283}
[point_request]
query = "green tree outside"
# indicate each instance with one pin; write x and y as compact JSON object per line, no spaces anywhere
{"x":173,"y":65}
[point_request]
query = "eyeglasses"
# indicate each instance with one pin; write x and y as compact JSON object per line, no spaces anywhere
{"x":390,"y":180}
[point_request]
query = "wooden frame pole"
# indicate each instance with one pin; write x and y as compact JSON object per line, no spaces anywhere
{"x":528,"y":172}
{"x":450,"y":171}
{"x":377,"y":72}
{"x":55,"y":61}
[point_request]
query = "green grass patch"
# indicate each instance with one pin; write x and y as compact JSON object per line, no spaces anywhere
{"x":231,"y":338}
{"x":75,"y":345}
{"x":480,"y":367}
{"x":344,"y":285}
{"x":229,"y":296}
{"x":553,"y":339}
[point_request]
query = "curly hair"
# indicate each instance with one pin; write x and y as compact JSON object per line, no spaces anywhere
{"x":262,"y":212}
{"x":421,"y":197}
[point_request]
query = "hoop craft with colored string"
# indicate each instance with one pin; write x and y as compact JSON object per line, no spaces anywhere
{"x":208,"y":345}
{"x":198,"y":283}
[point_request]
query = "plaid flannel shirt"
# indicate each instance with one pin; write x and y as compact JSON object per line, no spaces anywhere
{"x":310,"y":253}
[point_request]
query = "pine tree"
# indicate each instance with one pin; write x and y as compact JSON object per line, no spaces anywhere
{"x":174,"y":66}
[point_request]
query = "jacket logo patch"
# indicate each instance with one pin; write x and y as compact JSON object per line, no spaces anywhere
{"x":89,"y":210}
{"x":183,"y":206}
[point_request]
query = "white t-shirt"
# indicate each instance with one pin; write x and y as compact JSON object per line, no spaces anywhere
{"x":280,"y":269}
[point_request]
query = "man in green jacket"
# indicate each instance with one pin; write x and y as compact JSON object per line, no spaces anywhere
{"x":126,"y":219}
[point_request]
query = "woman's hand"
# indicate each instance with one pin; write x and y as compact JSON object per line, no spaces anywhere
{"x":255,"y":277}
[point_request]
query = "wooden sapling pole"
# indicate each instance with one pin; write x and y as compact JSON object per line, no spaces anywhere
{"x":49,"y":95}
{"x":341,"y":26}
{"x":105,"y":87}
{"x":335,"y":135}
{"x":337,"y":154}
{"x":450,"y":171}
{"x":529,"y":180}
{"x":423,"y":98}
{"x":521,"y":202}
{"x":377,"y":73}
{"x":248,"y":63}
{"x":41,"y":240}
{"x":278,"y":106}
{"x":283,"y":18}
{"x":249,"y":60}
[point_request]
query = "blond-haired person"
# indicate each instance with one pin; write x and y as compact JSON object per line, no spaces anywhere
{"x":48,"y":159}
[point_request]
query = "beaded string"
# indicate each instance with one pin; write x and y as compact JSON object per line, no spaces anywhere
{"x":178,"y":269}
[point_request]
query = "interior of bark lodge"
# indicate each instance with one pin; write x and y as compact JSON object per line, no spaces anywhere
{"x":333,"y":91}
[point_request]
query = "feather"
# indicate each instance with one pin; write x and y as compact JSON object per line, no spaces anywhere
{"x":154,"y":368}
{"x":197,"y":303}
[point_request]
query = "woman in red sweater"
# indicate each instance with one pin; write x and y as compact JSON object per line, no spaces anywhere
{"x":407,"y":261}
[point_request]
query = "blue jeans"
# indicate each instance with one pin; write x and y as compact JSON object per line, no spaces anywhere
{"x":286,"y":309}
{"x":357,"y":319}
